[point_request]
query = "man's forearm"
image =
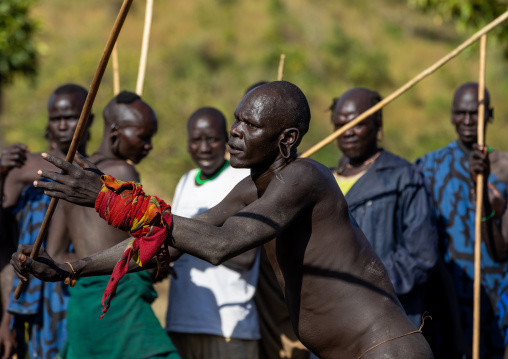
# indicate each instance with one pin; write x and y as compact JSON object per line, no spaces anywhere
{"x":492,"y":234}
{"x":6,"y":278}
{"x":103,"y":263}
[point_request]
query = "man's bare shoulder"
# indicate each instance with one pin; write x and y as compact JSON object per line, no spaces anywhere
{"x":119,"y":169}
{"x":308,"y":172}
{"x":245,"y":191}
{"x":311,"y":182}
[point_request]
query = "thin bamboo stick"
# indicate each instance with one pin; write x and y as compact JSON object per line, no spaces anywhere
{"x":116,"y":73}
{"x":479,"y":204}
{"x":80,"y":128}
{"x":144,"y":47}
{"x":280,"y":74}
{"x":407,"y":85}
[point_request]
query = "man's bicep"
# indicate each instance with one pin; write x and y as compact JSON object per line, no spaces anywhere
{"x":272,"y":212}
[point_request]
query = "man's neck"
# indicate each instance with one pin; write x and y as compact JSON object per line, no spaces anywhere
{"x":359,"y":161}
{"x":105,"y":150}
{"x":263,"y":176}
{"x":467,"y":148}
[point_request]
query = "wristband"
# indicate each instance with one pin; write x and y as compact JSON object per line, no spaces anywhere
{"x":490,"y":216}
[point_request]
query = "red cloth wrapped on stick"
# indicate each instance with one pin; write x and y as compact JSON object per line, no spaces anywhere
{"x":125,"y":205}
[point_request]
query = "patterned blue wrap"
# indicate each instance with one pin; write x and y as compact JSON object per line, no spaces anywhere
{"x":502,"y":307}
{"x":42,"y":305}
{"x":446,"y":173}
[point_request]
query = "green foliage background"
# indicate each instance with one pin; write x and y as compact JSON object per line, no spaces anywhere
{"x":207,"y":52}
{"x":17,"y":50}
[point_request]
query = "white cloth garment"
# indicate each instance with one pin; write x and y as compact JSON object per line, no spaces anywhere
{"x":205,"y":298}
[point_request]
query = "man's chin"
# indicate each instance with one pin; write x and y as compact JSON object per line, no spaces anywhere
{"x":236,"y":163}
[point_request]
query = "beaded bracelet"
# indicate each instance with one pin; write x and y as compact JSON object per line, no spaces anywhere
{"x":490,"y":216}
{"x":73,"y":276}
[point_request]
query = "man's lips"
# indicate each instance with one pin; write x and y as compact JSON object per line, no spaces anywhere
{"x":65,"y":139}
{"x":233,"y":149}
{"x":349,"y":144}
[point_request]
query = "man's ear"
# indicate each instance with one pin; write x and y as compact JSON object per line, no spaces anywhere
{"x":113,"y":129}
{"x":490,"y":115}
{"x":287,"y":141}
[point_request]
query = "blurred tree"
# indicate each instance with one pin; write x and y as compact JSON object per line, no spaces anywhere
{"x":18,"y":54}
{"x":468,"y":14}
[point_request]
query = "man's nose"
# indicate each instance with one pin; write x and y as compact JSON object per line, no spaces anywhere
{"x":235,"y":131}
{"x":204,"y":146}
{"x":62,"y":124}
{"x":468,"y":118}
{"x":148,"y":146}
{"x":348,"y":133}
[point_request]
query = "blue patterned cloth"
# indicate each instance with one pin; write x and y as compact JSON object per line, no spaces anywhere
{"x":446,"y":173}
{"x":42,"y":306}
{"x":502,"y":307}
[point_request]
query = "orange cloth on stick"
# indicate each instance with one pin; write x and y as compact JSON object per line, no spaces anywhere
{"x":125,"y":205}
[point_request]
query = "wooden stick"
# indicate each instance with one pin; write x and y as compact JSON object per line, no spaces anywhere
{"x":116,"y":74}
{"x":80,"y":128}
{"x":406,"y":86}
{"x":144,"y":47}
{"x":479,"y":205}
{"x":281,"y":67}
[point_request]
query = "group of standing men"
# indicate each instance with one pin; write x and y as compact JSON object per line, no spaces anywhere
{"x":418,"y":219}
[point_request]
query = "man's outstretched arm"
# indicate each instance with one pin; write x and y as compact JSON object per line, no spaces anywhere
{"x":46,"y":269}
{"x":256,"y":224}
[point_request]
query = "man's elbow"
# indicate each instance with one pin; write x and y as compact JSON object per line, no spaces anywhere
{"x":219,"y":255}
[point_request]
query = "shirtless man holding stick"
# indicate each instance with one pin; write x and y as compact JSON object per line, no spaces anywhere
{"x":340,"y":300}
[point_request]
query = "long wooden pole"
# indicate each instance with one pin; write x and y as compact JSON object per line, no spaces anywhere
{"x":116,"y":72}
{"x":144,"y":47}
{"x":406,"y":86}
{"x":280,"y":73}
{"x":80,"y":128}
{"x":479,"y":205}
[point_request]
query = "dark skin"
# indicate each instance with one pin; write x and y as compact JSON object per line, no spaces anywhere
{"x":339,"y":297}
{"x":13,"y":156}
{"x":19,"y":169}
{"x":465,"y":118}
{"x":206,"y":143}
{"x":128,"y":132}
{"x":359,"y":143}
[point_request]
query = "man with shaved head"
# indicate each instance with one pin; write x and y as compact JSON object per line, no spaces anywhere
{"x":211,"y":312}
{"x":450,"y":174}
{"x":129,"y":125}
{"x":339,"y":297}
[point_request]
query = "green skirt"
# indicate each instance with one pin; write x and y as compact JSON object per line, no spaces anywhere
{"x":128,"y":330}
